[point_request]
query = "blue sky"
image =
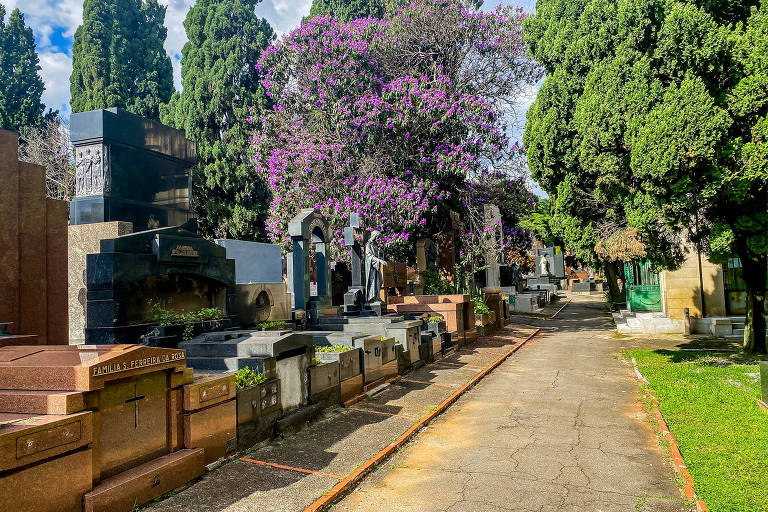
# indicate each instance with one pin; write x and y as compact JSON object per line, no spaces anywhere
{"x":54,"y":23}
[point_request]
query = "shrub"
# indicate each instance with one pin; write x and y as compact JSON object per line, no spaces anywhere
{"x":434,"y":285}
{"x":332,"y":348}
{"x":165,"y":317}
{"x":246,"y":377}
{"x":276,"y":324}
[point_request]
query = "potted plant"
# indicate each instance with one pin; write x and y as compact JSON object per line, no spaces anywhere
{"x":183,"y":324}
{"x":258,"y":405}
{"x":436,"y":324}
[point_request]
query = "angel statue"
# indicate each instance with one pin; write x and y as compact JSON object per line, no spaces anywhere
{"x":373,"y":267}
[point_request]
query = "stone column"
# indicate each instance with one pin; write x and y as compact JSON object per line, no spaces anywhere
{"x":300,"y":273}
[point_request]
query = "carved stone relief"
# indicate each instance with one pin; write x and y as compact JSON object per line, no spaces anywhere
{"x":92,"y":170}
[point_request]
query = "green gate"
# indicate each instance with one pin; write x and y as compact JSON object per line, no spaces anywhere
{"x":642,"y":287}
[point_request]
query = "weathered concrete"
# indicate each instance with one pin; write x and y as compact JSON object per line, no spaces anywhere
{"x":556,"y":428}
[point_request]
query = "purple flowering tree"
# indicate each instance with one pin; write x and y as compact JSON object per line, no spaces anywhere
{"x":396,"y":119}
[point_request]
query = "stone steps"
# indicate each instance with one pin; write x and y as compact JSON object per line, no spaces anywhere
{"x":628,"y":322}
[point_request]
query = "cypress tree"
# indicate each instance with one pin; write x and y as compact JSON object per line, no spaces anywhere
{"x":346,"y":10}
{"x":118,"y":58}
{"x":21,"y":87}
{"x":221,"y":91}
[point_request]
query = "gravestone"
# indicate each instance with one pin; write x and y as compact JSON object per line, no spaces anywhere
{"x":492,"y":221}
{"x":255,"y":262}
{"x":260,"y":295}
{"x":172,"y":266}
{"x":426,"y":255}
{"x":309,"y":227}
{"x":354,"y":298}
{"x":447,"y":248}
{"x":106,"y":427}
{"x":33,"y":264}
{"x":129,"y":168}
{"x":550,"y":266}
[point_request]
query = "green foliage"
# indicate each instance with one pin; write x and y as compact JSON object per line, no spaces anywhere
{"x":20,"y":84}
{"x":221,"y":93}
{"x":537,"y":221}
{"x":653,"y":122}
{"x":118,"y":59}
{"x":708,"y":401}
{"x":347,"y":10}
{"x":481,"y":308}
{"x":165,"y":317}
{"x":434,"y":319}
{"x":245,"y":378}
{"x":273,"y":325}
{"x":434,"y":284}
{"x":189,"y":332}
{"x":332,"y":348}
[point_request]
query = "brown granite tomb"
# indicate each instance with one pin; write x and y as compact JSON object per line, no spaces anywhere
{"x":106,"y":425}
{"x":33,"y":256}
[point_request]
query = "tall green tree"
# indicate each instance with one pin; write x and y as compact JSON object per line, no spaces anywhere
{"x":118,"y":59}
{"x":651,"y":125}
{"x":346,"y":10}
{"x":21,"y":87}
{"x":221,"y":94}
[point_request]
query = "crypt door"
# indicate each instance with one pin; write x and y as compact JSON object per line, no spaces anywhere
{"x":642,"y":287}
{"x":133,"y":420}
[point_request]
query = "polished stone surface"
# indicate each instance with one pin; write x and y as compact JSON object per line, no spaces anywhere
{"x":83,"y":240}
{"x":56,"y":485}
{"x":32,"y":235}
{"x":131,"y":169}
{"x":145,"y":482}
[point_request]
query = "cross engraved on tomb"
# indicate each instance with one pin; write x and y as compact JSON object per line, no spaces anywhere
{"x":135,"y":400}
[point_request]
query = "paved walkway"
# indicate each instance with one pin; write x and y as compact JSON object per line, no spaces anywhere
{"x":332,"y":448}
{"x":557,"y":427}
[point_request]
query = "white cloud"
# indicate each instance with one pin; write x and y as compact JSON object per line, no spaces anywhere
{"x":283,"y":15}
{"x":46,"y":15}
{"x":177,"y":36}
{"x":56,"y":68}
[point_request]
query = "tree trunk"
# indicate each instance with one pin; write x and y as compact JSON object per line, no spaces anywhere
{"x":611,"y":276}
{"x":755,"y":270}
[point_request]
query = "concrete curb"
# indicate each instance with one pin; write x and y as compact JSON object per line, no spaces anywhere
{"x":340,"y":489}
{"x":674,"y":448}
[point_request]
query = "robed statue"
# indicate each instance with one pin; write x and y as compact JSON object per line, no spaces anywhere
{"x":373,"y":265}
{"x":544,"y":265}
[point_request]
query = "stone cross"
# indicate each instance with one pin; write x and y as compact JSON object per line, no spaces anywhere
{"x":135,"y":399}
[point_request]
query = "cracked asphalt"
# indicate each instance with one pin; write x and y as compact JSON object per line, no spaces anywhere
{"x":558,"y":427}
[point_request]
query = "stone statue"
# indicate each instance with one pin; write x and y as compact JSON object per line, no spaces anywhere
{"x":97,"y":172}
{"x":544,"y":265}
{"x":373,"y":266}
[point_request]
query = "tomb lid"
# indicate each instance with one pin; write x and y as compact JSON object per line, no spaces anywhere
{"x":81,"y":368}
{"x":261,"y":344}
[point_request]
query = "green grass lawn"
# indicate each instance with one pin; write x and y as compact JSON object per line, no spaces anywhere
{"x":708,"y":401}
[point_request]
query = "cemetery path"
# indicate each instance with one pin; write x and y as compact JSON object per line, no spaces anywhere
{"x":557,"y":427}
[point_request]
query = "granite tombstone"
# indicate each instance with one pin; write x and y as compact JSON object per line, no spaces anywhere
{"x":129,"y":168}
{"x":106,"y":427}
{"x":173,"y":266}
